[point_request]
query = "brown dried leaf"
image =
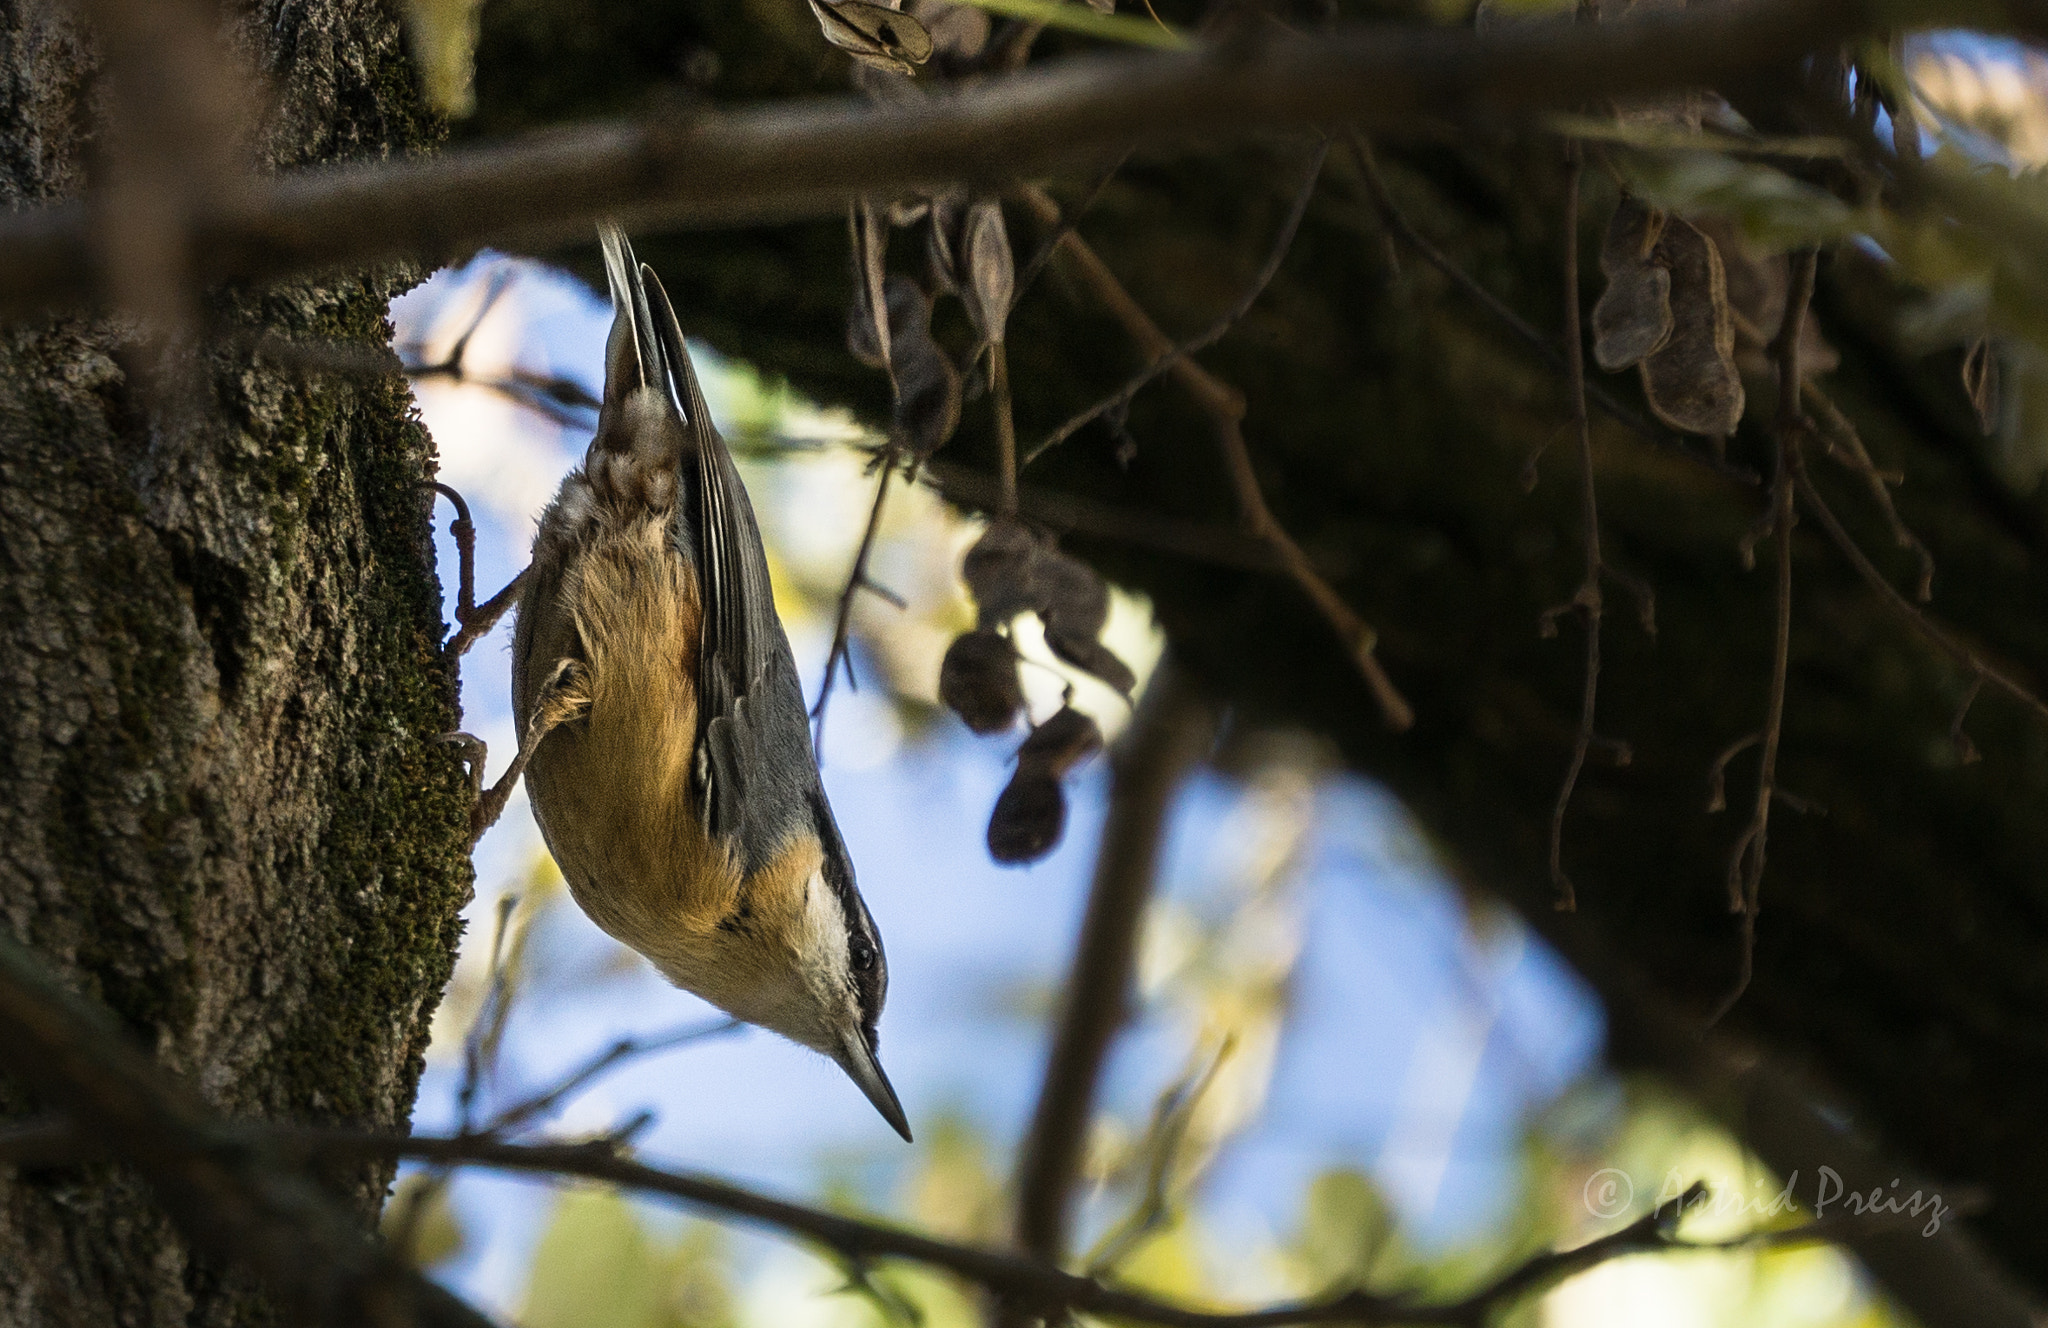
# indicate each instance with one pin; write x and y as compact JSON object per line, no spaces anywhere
{"x":978,"y":681}
{"x":1011,"y":571}
{"x":1029,"y":817}
{"x":1633,"y":316}
{"x":876,"y":35}
{"x":1691,"y":382}
{"x":1980,"y":380}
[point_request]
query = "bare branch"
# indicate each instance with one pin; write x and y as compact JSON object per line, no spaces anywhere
{"x":1746,"y":862}
{"x":1587,"y":600}
{"x":1041,"y":1288}
{"x":780,"y":162}
{"x":1196,"y":540}
{"x":1915,"y":617}
{"x":624,"y":1050}
{"x":1049,"y":214}
{"x":1226,"y":407}
{"x":841,"y":652}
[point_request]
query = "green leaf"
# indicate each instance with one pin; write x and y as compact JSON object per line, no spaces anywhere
{"x":1345,"y":1224}
{"x":595,"y":1265}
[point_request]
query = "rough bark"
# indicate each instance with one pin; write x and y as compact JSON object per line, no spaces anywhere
{"x":226,"y":814}
{"x":1390,"y":421}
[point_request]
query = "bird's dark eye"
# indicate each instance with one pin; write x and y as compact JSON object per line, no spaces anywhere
{"x":862,"y":954}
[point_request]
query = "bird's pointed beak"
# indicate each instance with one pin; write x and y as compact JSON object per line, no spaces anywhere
{"x":858,"y":1060}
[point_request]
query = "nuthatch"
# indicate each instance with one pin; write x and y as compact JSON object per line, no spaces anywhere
{"x":667,"y":748}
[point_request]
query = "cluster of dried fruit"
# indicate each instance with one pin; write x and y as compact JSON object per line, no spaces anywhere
{"x":1011,"y":570}
{"x":1689,"y":306}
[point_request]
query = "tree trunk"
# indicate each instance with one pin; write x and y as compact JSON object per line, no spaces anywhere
{"x":227,"y":814}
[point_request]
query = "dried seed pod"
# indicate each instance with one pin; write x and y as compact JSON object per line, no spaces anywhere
{"x":990,"y":276}
{"x":1091,"y":656}
{"x":1633,"y":316}
{"x":1691,"y":382}
{"x":1029,"y":817}
{"x":1060,"y":743}
{"x":958,"y":31}
{"x":942,"y":240}
{"x":1069,"y":594}
{"x":1756,"y":294}
{"x":978,"y":681}
{"x":1000,"y":571}
{"x":927,"y":384}
{"x":1980,"y":381}
{"x":876,"y":35}
{"x":867,"y":329}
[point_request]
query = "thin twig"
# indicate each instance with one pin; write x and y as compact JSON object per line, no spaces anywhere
{"x":1717,"y":774}
{"x":1121,"y":398}
{"x":1172,"y":1115}
{"x":842,"y":621}
{"x":1226,"y":407}
{"x":1917,"y":618}
{"x":1587,"y":600}
{"x":1062,"y":222}
{"x":1855,"y":457}
{"x":508,"y":1119}
{"x":1746,"y":862}
{"x":1006,"y":430}
{"x":1360,"y":640}
{"x":1207,"y":390}
{"x":1200,"y":541}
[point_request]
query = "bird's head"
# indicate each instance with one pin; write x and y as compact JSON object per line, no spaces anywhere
{"x":800,"y":955}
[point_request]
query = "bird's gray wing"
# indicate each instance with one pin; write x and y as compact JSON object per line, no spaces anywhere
{"x":757,"y":780}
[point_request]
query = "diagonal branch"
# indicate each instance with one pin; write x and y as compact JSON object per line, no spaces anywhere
{"x":1021,"y":1280}
{"x":784,"y":161}
{"x":1201,"y":385}
{"x":1225,"y":407}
